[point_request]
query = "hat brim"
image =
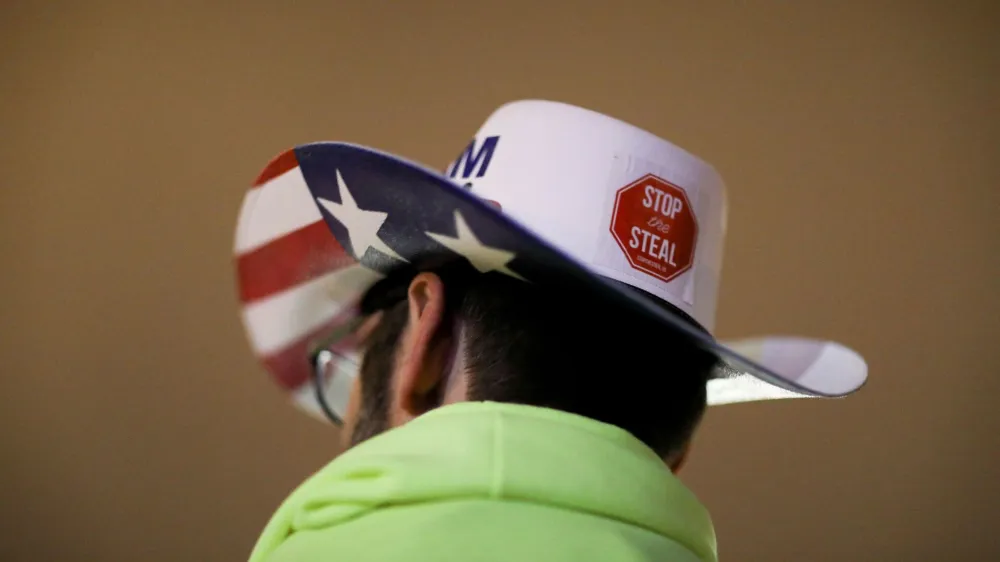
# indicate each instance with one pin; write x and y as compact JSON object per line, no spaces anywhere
{"x":325,"y":221}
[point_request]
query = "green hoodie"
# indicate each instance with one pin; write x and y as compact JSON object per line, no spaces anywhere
{"x":487,"y":481}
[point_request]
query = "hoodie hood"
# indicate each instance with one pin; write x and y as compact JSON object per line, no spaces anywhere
{"x":502,"y":453}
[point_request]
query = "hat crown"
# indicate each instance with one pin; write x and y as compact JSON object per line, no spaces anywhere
{"x":627,"y":204}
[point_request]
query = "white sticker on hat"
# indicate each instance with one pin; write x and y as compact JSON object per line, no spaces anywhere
{"x":653,"y":230}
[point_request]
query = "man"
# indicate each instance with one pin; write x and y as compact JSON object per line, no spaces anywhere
{"x":533,"y":330}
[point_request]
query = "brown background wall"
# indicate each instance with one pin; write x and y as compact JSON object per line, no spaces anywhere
{"x":859,"y":139}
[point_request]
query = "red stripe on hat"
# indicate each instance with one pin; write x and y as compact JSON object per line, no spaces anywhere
{"x":288,"y":261}
{"x":279,"y":165}
{"x":290,"y":367}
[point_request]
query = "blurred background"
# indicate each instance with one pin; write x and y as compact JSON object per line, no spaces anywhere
{"x":859,"y":141}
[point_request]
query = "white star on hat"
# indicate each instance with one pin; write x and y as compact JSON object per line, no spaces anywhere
{"x":362,"y":226}
{"x":482,"y":257}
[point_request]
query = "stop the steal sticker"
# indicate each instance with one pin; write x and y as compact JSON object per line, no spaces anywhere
{"x":654,"y":224}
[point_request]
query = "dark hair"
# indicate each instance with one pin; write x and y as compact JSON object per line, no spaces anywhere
{"x":562,"y":349}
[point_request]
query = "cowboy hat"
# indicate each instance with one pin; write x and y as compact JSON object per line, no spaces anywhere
{"x":544,"y":193}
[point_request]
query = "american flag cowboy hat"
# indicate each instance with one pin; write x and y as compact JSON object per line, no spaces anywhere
{"x":544,"y":191}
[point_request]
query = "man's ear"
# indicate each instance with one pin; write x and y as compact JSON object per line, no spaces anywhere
{"x":425,"y":345}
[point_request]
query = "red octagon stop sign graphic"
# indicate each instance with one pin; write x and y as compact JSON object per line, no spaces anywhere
{"x":655,"y":226}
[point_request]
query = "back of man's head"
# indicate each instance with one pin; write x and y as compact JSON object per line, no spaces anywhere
{"x":561,"y":349}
